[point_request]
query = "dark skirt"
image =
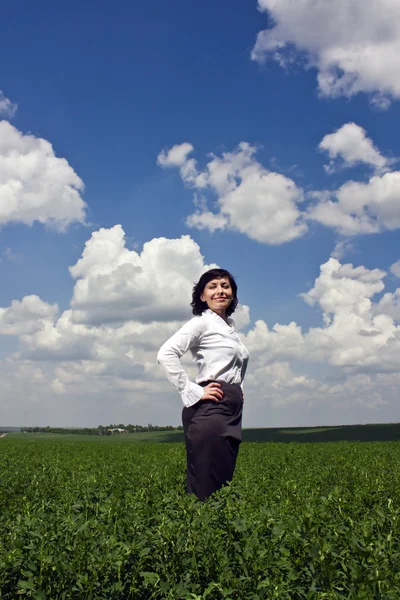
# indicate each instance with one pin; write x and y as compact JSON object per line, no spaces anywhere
{"x":213,"y":432}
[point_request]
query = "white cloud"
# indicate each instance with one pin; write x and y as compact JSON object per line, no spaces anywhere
{"x":106,"y":345}
{"x":207,"y":220}
{"x":277,"y":382}
{"x":26,"y":317}
{"x":92,"y":360}
{"x":349,"y":146}
{"x":241,"y":316}
{"x":265,"y":205}
{"x":353,"y":44}
{"x":7,"y":108}
{"x":395,"y":268}
{"x":360,"y":208}
{"x":390,"y":305}
{"x":35,"y":185}
{"x":342,"y":248}
{"x":380,"y":102}
{"x":116,"y":284}
{"x":125,"y":305}
{"x":176,"y":156}
{"x":345,"y":286}
{"x":357,"y":334}
{"x":250,"y":199}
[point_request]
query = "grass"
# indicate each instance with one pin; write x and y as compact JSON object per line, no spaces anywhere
{"x":110,"y":519}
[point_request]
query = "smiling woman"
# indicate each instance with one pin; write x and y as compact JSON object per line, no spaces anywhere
{"x":218,"y":294}
{"x":212,"y":413}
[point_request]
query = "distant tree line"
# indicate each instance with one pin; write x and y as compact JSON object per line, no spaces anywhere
{"x":102,"y":429}
{"x":9,"y":429}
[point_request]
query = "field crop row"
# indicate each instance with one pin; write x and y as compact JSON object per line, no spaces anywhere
{"x":300,"y":521}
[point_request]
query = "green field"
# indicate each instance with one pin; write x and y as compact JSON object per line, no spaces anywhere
{"x":145,"y":436}
{"x":111,"y":520}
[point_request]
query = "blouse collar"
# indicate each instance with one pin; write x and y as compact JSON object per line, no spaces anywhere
{"x":227,"y":323}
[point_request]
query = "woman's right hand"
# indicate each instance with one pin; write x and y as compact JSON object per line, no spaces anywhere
{"x":213,"y":391}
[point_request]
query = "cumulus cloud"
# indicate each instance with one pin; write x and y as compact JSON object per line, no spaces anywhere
{"x":280,"y":385}
{"x":117,"y":284}
{"x":27,"y":316}
{"x":353,"y":44}
{"x":390,"y":305}
{"x":349,"y":146}
{"x":124,"y":306}
{"x":357,"y":347}
{"x":357,"y":333}
{"x":359,"y":208}
{"x":7,"y":108}
{"x":341,"y":248}
{"x":395,"y":268}
{"x":259,"y":203}
{"x":205,"y":219}
{"x":90,"y":358}
{"x":176,"y":156}
{"x":265,"y":205}
{"x":35,"y":185}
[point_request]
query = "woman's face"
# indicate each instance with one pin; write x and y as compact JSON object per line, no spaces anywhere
{"x":218,"y":294}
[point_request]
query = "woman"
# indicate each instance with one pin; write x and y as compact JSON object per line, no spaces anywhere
{"x":212,"y":413}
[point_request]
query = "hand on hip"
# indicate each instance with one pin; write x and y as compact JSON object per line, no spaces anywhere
{"x":213,"y":391}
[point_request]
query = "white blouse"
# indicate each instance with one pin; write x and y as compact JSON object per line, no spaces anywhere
{"x":216,"y":349}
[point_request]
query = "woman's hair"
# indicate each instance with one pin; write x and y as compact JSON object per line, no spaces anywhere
{"x":198,"y":306}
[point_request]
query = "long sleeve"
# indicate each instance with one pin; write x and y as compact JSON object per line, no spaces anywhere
{"x":169,"y":357}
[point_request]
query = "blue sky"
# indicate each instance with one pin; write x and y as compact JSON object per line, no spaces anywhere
{"x":118,"y":91}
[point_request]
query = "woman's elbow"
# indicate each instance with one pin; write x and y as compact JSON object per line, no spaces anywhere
{"x":162,"y":356}
{"x":166,"y":354}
